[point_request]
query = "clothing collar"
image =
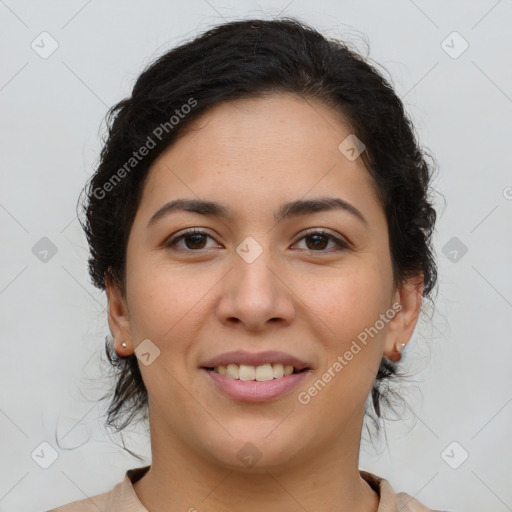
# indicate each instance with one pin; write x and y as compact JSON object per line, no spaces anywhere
{"x":124,"y":499}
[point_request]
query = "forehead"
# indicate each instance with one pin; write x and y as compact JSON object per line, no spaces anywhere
{"x":260,"y":151}
{"x":267,"y":128}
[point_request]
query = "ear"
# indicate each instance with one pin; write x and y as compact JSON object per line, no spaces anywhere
{"x":118,"y":317}
{"x":407,"y":301}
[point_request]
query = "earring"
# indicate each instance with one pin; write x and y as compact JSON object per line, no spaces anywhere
{"x":401,"y":348}
{"x":122,"y":354}
{"x":397,"y":355}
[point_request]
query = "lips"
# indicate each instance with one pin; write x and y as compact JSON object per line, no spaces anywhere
{"x":255,"y":359}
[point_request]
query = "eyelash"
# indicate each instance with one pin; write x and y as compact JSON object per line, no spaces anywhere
{"x":342,"y":245}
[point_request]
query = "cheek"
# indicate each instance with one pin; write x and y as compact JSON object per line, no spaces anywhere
{"x":348,"y":307}
{"x":165,"y":307}
{"x":165,"y":302}
{"x":347,"y":301}
{"x":346,"y":312}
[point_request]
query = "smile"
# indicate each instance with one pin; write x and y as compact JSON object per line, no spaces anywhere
{"x":252,"y":389}
{"x":260,"y":373}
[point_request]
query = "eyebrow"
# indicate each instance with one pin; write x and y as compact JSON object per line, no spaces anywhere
{"x":286,"y":211}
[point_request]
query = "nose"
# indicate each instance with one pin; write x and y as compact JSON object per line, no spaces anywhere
{"x":256,"y":294}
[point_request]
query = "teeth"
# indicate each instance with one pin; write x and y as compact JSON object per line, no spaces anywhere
{"x":259,"y":373}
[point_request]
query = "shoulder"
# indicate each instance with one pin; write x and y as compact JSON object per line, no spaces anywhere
{"x":121,"y":497}
{"x":407,"y":503}
{"x":391,"y":501}
{"x":99,"y":503}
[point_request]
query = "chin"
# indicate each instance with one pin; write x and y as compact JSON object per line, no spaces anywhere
{"x":255,"y":454}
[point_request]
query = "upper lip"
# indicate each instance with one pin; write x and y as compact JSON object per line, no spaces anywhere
{"x":254,"y":359}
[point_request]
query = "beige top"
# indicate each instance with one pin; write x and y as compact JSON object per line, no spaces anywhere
{"x":122,"y":497}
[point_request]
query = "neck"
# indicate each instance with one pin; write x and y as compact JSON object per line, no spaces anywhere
{"x":181,"y":478}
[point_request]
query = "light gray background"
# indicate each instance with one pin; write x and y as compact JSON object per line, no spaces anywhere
{"x":53,"y":320}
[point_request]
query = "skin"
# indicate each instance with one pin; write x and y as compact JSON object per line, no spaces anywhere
{"x":309,"y":300}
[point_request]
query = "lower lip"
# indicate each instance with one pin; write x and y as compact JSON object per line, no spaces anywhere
{"x":254,"y":391}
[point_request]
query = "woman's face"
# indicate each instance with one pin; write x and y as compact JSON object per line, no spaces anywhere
{"x":266,"y":276}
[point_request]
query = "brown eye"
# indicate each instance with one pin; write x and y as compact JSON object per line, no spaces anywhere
{"x":194,"y":240}
{"x":319,"y":240}
{"x":316,"y":241}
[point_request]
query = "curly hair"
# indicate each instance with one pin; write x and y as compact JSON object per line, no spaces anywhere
{"x":248,"y":59}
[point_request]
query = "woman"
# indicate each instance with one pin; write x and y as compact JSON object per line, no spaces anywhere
{"x":260,"y":221}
